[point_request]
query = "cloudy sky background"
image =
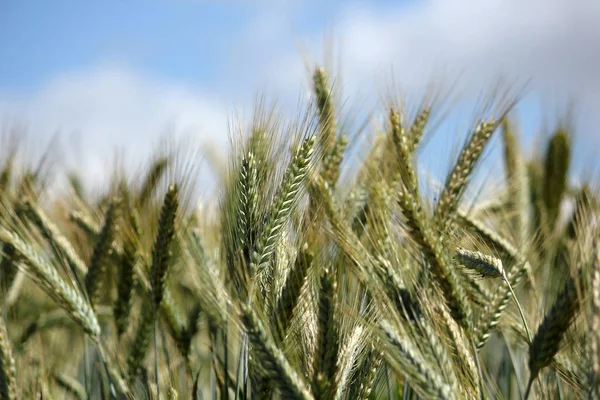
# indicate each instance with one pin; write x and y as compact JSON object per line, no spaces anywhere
{"x":118,"y":75}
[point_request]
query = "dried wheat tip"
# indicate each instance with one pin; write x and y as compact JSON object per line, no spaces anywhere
{"x":53,"y":284}
{"x":418,"y":128}
{"x":487,"y":266}
{"x":280,"y":210}
{"x":551,"y":331}
{"x":325,"y":109}
{"x":556,"y":171}
{"x":458,"y":179}
{"x":8,"y":383}
{"x":98,"y":264}
{"x":424,"y":378}
{"x":151,"y":180}
{"x":54,"y":235}
{"x":161,"y":251}
{"x":333,"y":160}
{"x":273,"y":361}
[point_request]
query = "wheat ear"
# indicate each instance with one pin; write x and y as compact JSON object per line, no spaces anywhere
{"x":551,"y":331}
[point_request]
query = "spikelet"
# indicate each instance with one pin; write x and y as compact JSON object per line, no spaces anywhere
{"x":280,"y":210}
{"x":486,"y":266}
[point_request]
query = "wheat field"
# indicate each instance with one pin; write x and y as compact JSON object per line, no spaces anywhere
{"x":317,"y":274}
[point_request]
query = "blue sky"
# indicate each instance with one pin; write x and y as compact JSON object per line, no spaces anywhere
{"x":117,"y":74}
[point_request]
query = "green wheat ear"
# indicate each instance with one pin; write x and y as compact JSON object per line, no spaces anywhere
{"x":98,"y":264}
{"x":280,"y":210}
{"x":551,"y":331}
{"x":556,"y":169}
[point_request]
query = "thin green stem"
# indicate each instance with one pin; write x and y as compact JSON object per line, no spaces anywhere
{"x":529,"y":337}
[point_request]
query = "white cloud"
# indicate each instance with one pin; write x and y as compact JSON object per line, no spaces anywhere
{"x":554,"y":42}
{"x":107,"y":109}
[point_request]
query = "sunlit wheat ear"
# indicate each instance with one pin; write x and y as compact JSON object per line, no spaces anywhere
{"x":556,"y":169}
{"x":53,"y":284}
{"x":457,"y":181}
{"x":402,"y":143}
{"x":421,"y":230}
{"x":274,"y":363}
{"x":8,"y":371}
{"x":325,"y":109}
{"x":551,"y":331}
{"x":417,"y":129}
{"x":595,"y":325}
{"x":100,"y":257}
{"x":280,"y":210}
{"x":406,"y":359}
{"x":54,"y":235}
